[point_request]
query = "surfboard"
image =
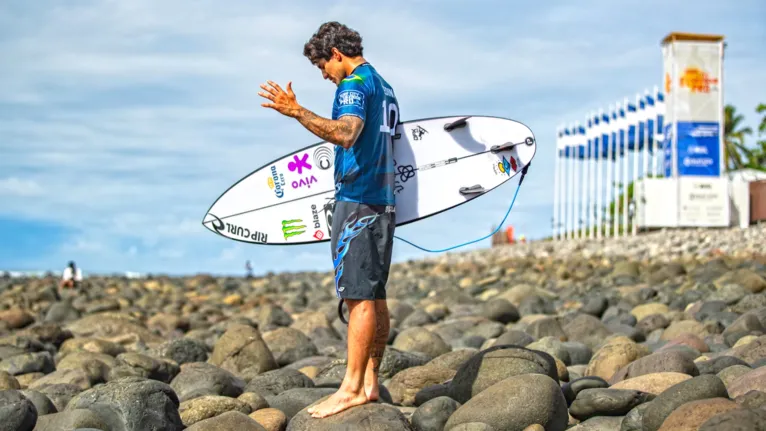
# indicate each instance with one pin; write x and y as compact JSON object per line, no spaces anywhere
{"x":440,"y":163}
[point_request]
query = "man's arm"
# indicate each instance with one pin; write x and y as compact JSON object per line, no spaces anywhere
{"x":343,"y":131}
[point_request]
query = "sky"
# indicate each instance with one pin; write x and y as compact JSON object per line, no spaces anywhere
{"x":121,"y":122}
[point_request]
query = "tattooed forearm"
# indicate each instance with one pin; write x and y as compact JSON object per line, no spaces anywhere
{"x":341,"y":132}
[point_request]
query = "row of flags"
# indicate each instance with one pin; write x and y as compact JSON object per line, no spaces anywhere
{"x":623,"y":128}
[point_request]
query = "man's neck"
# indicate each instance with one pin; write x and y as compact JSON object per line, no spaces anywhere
{"x":353,"y":63}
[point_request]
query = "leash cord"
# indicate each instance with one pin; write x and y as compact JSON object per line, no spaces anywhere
{"x":518,"y":186}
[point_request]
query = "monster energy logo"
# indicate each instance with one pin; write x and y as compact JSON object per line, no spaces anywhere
{"x":289,"y":229}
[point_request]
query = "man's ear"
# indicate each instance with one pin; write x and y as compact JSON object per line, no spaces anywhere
{"x":336,"y":54}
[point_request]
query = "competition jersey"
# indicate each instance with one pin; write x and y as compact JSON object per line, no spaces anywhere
{"x":364,"y":173}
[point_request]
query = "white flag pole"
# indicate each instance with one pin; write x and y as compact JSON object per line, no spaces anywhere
{"x":631,"y":117}
{"x":576,"y":185}
{"x":586,"y":191}
{"x":619,"y":132}
{"x":609,"y":168}
{"x":596,"y":184}
{"x":638,"y":149}
{"x":570,"y":192}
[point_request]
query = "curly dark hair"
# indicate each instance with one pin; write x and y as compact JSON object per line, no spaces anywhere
{"x":333,"y":35}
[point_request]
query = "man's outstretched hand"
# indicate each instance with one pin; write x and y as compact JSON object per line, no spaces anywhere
{"x":283,"y":102}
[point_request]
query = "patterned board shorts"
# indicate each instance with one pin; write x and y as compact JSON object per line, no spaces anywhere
{"x":362,"y":239}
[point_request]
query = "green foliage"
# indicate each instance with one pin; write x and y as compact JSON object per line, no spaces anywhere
{"x":737,"y":154}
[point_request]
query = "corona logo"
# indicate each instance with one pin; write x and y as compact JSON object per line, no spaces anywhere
{"x":289,"y":228}
{"x":696,"y":80}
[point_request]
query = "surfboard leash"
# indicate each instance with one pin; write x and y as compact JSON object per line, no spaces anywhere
{"x":513,"y":201}
{"x":518,"y":186}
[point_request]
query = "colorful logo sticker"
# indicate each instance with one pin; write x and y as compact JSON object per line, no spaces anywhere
{"x":290,"y":228}
{"x":299,"y":164}
{"x":505,"y":167}
{"x":276,"y":182}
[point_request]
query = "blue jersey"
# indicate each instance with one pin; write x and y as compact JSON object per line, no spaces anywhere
{"x":364,"y":173}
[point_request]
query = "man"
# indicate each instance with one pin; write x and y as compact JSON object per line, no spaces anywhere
{"x":71,"y":276}
{"x":364,"y":118}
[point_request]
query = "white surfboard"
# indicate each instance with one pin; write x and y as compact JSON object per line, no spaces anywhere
{"x":440,"y":163}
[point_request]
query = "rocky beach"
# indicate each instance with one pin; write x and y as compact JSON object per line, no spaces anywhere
{"x":660,"y":332}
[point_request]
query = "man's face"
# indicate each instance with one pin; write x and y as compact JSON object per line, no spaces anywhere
{"x":332,"y":69}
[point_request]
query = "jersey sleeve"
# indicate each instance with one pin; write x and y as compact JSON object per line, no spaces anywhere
{"x":352,"y":97}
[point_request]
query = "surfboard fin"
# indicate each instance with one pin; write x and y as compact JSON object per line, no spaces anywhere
{"x":461,"y":122}
{"x":509,"y":145}
{"x":474,"y":189}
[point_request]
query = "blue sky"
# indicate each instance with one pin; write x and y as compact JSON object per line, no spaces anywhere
{"x":122,"y":121}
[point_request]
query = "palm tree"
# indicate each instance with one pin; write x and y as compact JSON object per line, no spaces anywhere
{"x":734,"y":138}
{"x":756,"y":157}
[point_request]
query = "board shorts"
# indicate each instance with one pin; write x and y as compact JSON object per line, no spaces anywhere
{"x":361,"y":240}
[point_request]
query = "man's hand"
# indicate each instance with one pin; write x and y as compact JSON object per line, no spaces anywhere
{"x":283,"y":102}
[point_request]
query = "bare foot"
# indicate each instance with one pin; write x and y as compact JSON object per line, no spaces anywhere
{"x":372,"y":390}
{"x":338,"y":402}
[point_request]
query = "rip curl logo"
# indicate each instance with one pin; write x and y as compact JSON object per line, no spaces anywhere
{"x":351,"y":98}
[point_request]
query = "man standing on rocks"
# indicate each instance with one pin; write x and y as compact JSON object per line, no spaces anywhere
{"x":364,"y":118}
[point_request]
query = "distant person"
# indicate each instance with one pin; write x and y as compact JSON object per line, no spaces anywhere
{"x":249,"y":269}
{"x":71,"y":277}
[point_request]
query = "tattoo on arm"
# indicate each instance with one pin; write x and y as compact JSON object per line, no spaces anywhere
{"x":343,"y":131}
{"x":381,"y":339}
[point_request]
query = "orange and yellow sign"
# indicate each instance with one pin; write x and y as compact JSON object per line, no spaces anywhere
{"x":696,"y":80}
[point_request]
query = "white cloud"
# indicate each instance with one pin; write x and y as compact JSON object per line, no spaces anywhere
{"x":19,"y":187}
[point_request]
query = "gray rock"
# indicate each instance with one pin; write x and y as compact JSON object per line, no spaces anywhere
{"x":70,"y":419}
{"x":634,"y":420}
{"x":697,"y":388}
{"x":183,"y":351}
{"x":43,"y":404}
{"x":737,"y":420}
{"x":599,"y":423}
{"x":37,"y":362}
{"x":367,"y":417}
{"x":606,"y":402}
{"x":60,"y":394}
{"x":289,"y":345}
{"x":277,"y":381}
{"x":492,"y":365}
{"x":240,"y":348}
{"x":571,"y":389}
{"x":515,"y":403}
{"x":433,"y":415}
{"x":132,"y":404}
{"x":292,"y":401}
{"x":232,"y":420}
{"x":200,"y":378}
{"x":17,"y":413}
{"x":419,"y":340}
{"x":514,"y":338}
